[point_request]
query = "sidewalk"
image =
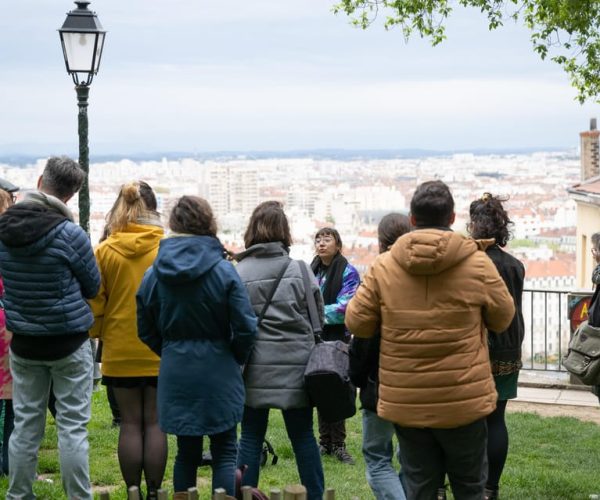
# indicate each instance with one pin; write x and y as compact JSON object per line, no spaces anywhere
{"x":571,"y":397}
{"x":548,"y":387}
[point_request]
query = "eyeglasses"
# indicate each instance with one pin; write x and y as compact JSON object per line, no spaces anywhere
{"x":324,"y":239}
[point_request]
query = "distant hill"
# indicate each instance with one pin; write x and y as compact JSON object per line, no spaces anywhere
{"x":318,"y":154}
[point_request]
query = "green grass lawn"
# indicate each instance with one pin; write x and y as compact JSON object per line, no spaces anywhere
{"x":549,"y":458}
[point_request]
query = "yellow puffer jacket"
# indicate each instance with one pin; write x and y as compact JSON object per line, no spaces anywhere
{"x":433,"y":295}
{"x":123,"y":259}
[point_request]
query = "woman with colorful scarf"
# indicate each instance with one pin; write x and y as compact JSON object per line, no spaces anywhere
{"x":338,"y":281}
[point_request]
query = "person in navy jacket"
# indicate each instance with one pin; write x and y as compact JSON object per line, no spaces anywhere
{"x":194,"y":312}
{"x":49,"y":270}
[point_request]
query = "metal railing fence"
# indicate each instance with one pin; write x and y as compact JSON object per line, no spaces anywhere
{"x":547,"y":329}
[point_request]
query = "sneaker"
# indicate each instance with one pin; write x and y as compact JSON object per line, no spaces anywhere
{"x":441,"y":494}
{"x":324,"y":450}
{"x":341,"y":453}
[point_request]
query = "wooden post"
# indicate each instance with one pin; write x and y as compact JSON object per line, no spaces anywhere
{"x":220,"y":494}
{"x":162,"y":494}
{"x":275,"y":494}
{"x":246,"y":492}
{"x":192,"y":493}
{"x":104,"y":495}
{"x":329,"y":494}
{"x":133,"y":493}
{"x":294,"y":492}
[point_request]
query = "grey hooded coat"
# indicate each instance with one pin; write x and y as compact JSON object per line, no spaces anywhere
{"x":274,"y":373}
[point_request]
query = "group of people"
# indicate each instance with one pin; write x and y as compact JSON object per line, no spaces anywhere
{"x":196,"y":341}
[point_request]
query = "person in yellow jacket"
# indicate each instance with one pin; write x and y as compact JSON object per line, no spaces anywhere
{"x":129,"y":367}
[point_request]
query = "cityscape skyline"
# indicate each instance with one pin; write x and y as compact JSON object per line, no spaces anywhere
{"x":199,"y":77}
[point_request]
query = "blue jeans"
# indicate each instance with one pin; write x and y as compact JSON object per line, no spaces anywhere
{"x":71,"y":377}
{"x":378,"y":450}
{"x":299,"y":427}
{"x":223,"y":448}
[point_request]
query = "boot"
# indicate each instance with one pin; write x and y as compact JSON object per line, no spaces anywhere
{"x":489,"y":494}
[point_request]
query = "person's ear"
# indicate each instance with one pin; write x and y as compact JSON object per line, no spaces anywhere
{"x":413,"y":221}
{"x":452,"y":219}
{"x":39,"y":182}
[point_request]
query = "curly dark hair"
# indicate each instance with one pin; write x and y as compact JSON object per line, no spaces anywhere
{"x":489,"y":219}
{"x":193,"y":215}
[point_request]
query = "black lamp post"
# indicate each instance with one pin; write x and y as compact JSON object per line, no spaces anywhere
{"x":82,"y":40}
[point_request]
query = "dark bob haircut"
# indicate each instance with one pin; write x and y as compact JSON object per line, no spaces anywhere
{"x":268,"y":223}
{"x":330,"y":231}
{"x":390,"y":228}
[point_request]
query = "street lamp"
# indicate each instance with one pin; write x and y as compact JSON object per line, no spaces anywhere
{"x":82,"y":40}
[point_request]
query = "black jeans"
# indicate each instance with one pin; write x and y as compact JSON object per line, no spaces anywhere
{"x":427,"y":455}
{"x":332,"y":434}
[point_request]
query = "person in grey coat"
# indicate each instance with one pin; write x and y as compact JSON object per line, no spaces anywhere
{"x":274,"y":373}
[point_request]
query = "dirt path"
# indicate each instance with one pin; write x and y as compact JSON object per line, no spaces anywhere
{"x":587,"y":413}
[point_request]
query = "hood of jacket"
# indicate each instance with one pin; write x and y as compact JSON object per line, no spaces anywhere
{"x":263,"y":250}
{"x":187,"y":257}
{"x":136,"y":239}
{"x":427,"y":252}
{"x":27,"y":228}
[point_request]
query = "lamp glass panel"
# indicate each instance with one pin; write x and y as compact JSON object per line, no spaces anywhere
{"x":99,"y":51}
{"x":79,"y":48}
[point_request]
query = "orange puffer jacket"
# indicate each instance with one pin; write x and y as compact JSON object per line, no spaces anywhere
{"x":433,"y":295}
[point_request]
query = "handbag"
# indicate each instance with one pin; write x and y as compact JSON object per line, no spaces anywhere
{"x":326,"y":375}
{"x":583,"y":356}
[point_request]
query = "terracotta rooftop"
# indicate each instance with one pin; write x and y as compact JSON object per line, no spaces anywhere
{"x":549,"y":268}
{"x":590,"y":186}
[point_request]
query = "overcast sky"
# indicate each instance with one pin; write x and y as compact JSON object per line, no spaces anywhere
{"x":194,"y":75}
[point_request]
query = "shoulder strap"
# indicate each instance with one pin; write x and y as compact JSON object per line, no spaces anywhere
{"x":310,"y":301}
{"x":272,"y":291}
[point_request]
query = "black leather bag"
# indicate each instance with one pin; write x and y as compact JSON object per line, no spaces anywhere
{"x":326,"y":375}
{"x":327,"y":381}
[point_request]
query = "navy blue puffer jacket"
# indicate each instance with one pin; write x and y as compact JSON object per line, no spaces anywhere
{"x":49,"y":269}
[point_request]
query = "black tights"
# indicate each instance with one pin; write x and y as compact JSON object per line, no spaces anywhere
{"x":142,"y":445}
{"x":497,"y":447}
